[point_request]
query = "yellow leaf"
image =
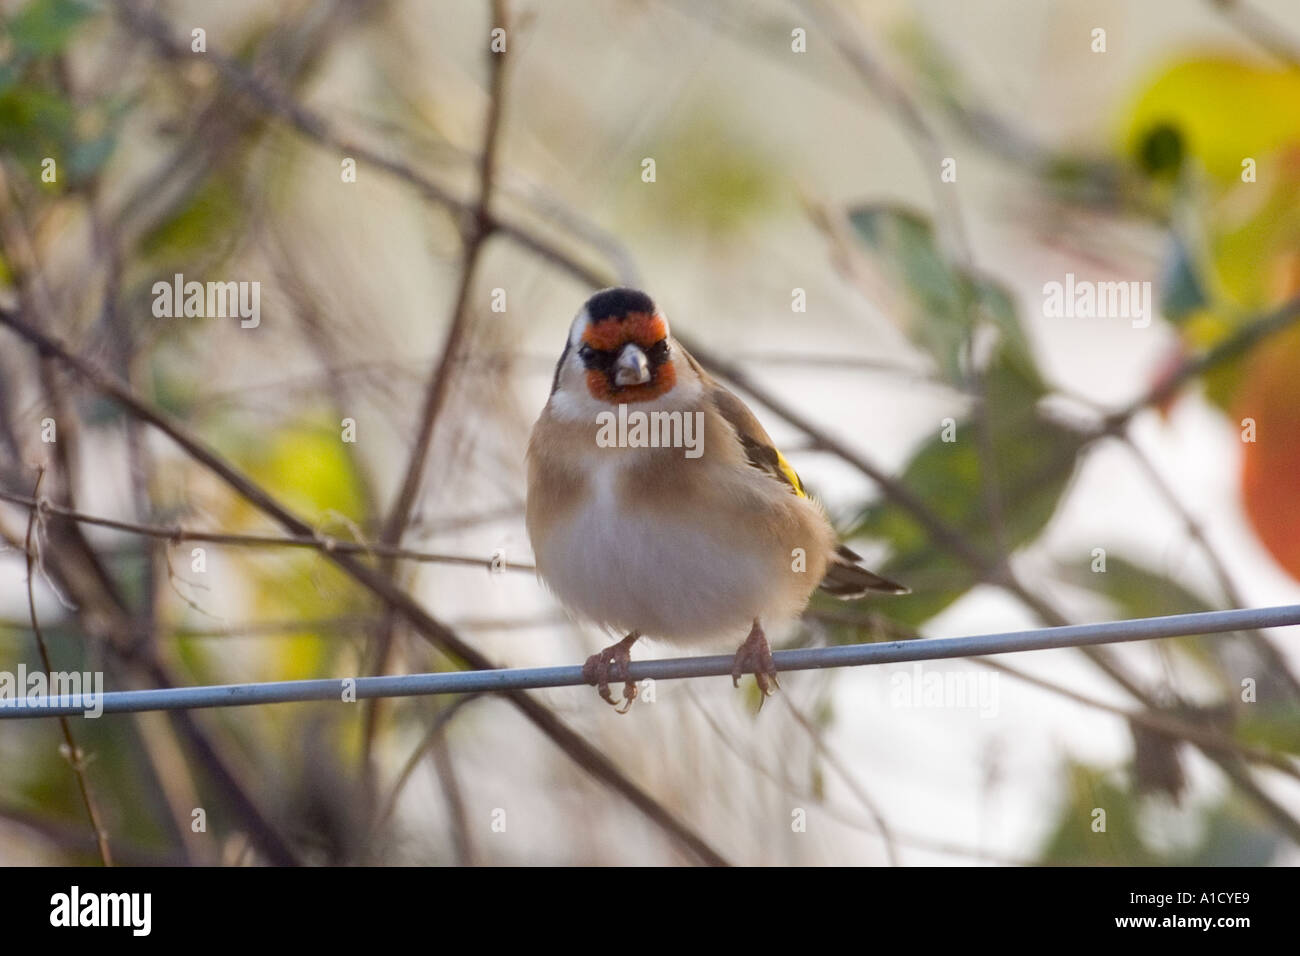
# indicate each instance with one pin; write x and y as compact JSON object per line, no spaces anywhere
{"x":1224,"y":109}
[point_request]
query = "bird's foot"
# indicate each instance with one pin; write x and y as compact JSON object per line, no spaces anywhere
{"x":611,"y":664}
{"x":755,"y":657}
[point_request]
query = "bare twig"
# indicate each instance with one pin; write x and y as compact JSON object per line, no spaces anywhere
{"x":318,"y":129}
{"x":849,"y":778}
{"x":72,"y":752}
{"x":1260,"y":28}
{"x":76,"y":840}
{"x":451,"y":792}
{"x":1157,"y":722}
{"x":916,"y":841}
{"x":437,"y":730}
{"x":1242,"y":340}
{"x":177,"y":534}
{"x":476,"y":231}
{"x":1276,"y":662}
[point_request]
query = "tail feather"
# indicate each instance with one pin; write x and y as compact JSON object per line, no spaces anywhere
{"x":846,"y":578}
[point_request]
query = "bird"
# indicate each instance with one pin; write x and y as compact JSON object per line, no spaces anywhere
{"x":658,"y":506}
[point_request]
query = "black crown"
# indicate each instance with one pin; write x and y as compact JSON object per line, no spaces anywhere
{"x":617,"y":303}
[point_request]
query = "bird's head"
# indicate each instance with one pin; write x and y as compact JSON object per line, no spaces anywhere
{"x":620,"y":351}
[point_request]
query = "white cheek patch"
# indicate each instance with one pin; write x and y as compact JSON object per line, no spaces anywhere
{"x":575,"y":404}
{"x":579,"y":327}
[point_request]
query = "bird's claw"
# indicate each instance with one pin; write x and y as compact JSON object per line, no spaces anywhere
{"x":611,"y":664}
{"x":755,"y":657}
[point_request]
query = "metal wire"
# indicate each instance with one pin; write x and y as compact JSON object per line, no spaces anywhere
{"x":468,"y":682}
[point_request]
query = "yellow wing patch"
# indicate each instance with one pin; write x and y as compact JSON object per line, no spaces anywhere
{"x":790,"y":474}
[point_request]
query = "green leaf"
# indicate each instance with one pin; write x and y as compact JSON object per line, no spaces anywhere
{"x":945,"y":301}
{"x":1074,"y":841}
{"x":905,"y":242}
{"x":1136,"y":591}
{"x":37,"y":122}
{"x":45,"y":26}
{"x":1033,"y":460}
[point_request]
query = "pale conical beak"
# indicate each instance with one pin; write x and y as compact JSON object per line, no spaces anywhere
{"x":632,"y":367}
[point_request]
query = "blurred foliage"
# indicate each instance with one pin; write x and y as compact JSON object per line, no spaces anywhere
{"x":212,"y":216}
{"x":943,"y":301}
{"x":307,"y":468}
{"x":41,"y":780}
{"x":1209,"y":284}
{"x":1226,"y":836}
{"x":1235,"y":250}
{"x":43,"y":27}
{"x":37,"y":118}
{"x":705,"y":181}
{"x":1029,"y":466}
{"x":1030,"y":460}
{"x":1218,"y":109}
{"x":1136,"y":591}
{"x":1270,"y":396}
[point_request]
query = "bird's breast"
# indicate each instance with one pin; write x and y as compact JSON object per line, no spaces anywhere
{"x":677,"y":559}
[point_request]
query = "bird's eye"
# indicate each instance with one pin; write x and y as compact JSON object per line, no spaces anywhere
{"x":658,"y":353}
{"x":599,"y":359}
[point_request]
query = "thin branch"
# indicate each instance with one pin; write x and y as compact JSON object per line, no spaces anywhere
{"x":476,"y":230}
{"x":437,"y":728}
{"x":1260,"y":28}
{"x":849,"y":778}
{"x":903,"y":838}
{"x":1241,"y":341}
{"x":99,"y":601}
{"x":177,"y":534}
{"x":315,"y":127}
{"x":451,"y":793}
{"x":1156,"y":722}
{"x":73,"y":753}
{"x":76,"y":840}
{"x":103,"y":618}
{"x":1276,"y":662}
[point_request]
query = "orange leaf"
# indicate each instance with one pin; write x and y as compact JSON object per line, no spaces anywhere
{"x":1270,"y":475}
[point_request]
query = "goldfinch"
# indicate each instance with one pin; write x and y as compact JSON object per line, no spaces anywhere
{"x":657,"y":505}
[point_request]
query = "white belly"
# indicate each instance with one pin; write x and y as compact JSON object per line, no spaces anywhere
{"x":676,"y":579}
